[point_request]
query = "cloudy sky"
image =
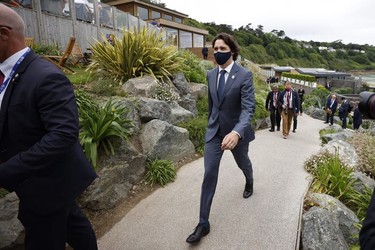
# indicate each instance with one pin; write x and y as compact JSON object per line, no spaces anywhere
{"x":352,"y":21}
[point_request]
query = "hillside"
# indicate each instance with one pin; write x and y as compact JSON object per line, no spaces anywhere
{"x":276,"y":47}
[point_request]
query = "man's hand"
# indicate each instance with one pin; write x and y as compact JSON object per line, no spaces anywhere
{"x":230,"y":141}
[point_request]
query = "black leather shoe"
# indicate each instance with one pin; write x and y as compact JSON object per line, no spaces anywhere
{"x":248,"y":190}
{"x":271,"y":130}
{"x":294,"y":131}
{"x":199,"y":232}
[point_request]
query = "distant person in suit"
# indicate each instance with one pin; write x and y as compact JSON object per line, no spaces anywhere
{"x":296,"y":114}
{"x":331,"y":106}
{"x":357,"y":117}
{"x":289,"y":102}
{"x":301,"y":95}
{"x":231,"y":106}
{"x":205,"y":52}
{"x":272,"y":107}
{"x":40,"y":156}
{"x":344,"y":111}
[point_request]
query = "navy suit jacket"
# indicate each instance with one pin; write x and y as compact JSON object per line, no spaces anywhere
{"x":41,"y":158}
{"x":237,"y":107}
{"x":295,"y":100}
{"x":334,"y":106}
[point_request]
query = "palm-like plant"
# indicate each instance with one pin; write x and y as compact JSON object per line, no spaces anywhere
{"x":98,"y":126}
{"x":136,"y":54}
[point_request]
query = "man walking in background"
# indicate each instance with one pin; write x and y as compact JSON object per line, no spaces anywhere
{"x":271,"y":106}
{"x":289,"y":101}
{"x":40,"y":156}
{"x":344,"y":111}
{"x":231,"y":106}
{"x":331,"y":107}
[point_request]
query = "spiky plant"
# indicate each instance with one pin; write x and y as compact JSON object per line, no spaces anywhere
{"x":136,"y":54}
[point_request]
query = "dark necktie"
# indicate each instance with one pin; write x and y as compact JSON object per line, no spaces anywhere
{"x":1,"y":78}
{"x":221,"y":85}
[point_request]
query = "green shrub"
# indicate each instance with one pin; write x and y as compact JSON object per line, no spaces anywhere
{"x":3,"y":192}
{"x":299,"y":76}
{"x":260,"y":109}
{"x":99,"y":126}
{"x":197,"y":129}
{"x":331,"y":176}
{"x":52,"y":50}
{"x":191,"y":67}
{"x":197,"y":126}
{"x":160,"y":171}
{"x":136,"y":54}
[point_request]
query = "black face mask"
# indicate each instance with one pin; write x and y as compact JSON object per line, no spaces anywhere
{"x":222,"y":57}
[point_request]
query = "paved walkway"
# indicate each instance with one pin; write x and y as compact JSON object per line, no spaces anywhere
{"x":267,"y":220}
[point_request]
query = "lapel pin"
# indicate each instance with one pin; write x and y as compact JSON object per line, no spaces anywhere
{"x":233,"y":76}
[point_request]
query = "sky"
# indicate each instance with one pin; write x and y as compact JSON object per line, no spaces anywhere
{"x":352,"y":21}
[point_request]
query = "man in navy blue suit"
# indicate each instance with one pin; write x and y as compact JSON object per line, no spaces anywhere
{"x":40,"y":156}
{"x":231,"y":105}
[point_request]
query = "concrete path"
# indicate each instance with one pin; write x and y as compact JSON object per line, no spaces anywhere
{"x":267,"y":220}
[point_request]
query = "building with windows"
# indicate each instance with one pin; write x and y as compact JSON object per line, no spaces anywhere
{"x":171,"y":22}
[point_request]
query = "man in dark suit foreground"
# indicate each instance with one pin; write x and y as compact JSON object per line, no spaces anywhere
{"x":231,"y":105}
{"x":40,"y":156}
{"x":271,"y":106}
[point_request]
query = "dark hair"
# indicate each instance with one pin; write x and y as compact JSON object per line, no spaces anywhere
{"x":230,"y":41}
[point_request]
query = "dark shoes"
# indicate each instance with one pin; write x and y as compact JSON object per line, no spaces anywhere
{"x":248,"y":190}
{"x":272,"y":130}
{"x":278,"y":129}
{"x":294,"y":131}
{"x":199,"y":232}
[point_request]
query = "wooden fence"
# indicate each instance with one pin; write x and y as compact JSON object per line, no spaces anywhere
{"x":51,"y":29}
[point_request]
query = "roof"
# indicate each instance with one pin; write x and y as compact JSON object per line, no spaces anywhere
{"x":319,"y":72}
{"x":154,"y":6}
{"x":282,"y":68}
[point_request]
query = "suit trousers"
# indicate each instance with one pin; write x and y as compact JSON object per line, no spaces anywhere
{"x":52,"y":231}
{"x":329,"y":118}
{"x":212,"y":157}
{"x":287,"y":121}
{"x":274,"y":117}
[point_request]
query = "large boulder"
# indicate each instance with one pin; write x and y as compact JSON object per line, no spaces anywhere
{"x":162,"y":140}
{"x":345,"y":217}
{"x":145,"y":86}
{"x":346,"y":152}
{"x":188,"y":103}
{"x":131,"y":106}
{"x":198,"y":90}
{"x":10,"y":227}
{"x":343,"y":135}
{"x":179,"y":114}
{"x":320,"y":231}
{"x":362,"y":181}
{"x":181,"y":84}
{"x":116,"y":177}
{"x":150,"y":109}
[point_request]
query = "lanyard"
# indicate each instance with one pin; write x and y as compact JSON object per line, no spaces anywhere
{"x":15,"y":67}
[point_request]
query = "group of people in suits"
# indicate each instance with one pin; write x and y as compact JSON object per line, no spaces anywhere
{"x":344,"y":110}
{"x":41,"y":158}
{"x":284,"y":106}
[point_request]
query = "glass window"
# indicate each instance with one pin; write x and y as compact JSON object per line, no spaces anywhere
{"x":186,"y":39}
{"x":171,"y":36}
{"x":178,"y":20}
{"x":168,"y":17}
{"x":133,"y":23}
{"x":198,"y":40}
{"x":122,"y":19}
{"x":155,"y":14}
{"x":143,"y":13}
